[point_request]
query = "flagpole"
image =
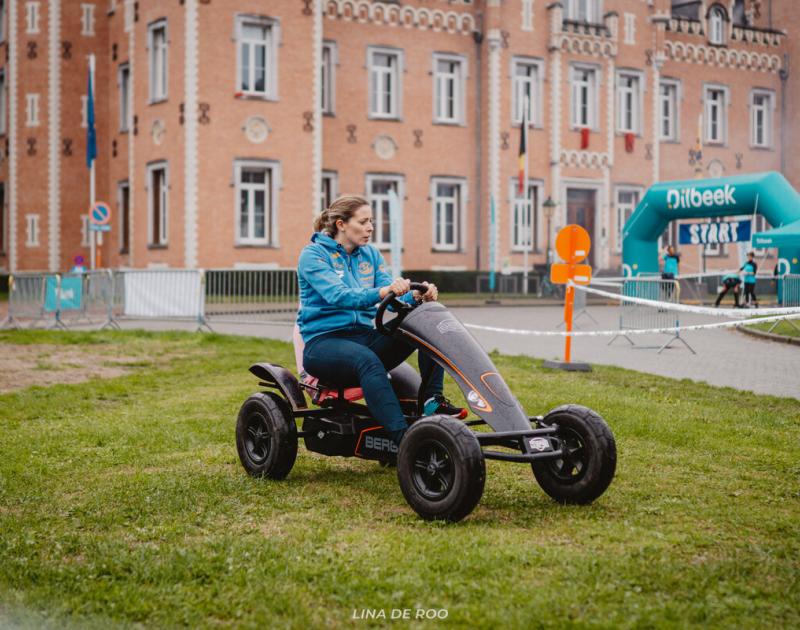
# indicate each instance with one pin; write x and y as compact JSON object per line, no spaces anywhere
{"x":528,"y":209}
{"x":92,"y":190}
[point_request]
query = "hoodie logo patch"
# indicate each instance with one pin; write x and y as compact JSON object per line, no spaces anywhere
{"x":365,"y":268}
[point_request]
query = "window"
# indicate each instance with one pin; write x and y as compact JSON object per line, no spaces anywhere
{"x":158,"y":203}
{"x":524,"y":216}
{"x":257,"y":56}
{"x":329,"y":189}
{"x":32,"y":19}
{"x":124,"y":82}
{"x":583,"y":10}
{"x":761,"y":108}
{"x":448,"y":89}
{"x":668,"y":105}
{"x":627,"y":200}
{"x":630,"y":28}
{"x":527,"y":81}
{"x":629,"y":102}
{"x":85,"y":231}
{"x":2,"y":20}
{"x":715,"y":114}
{"x":378,"y":187}
{"x":716,"y":25}
{"x":31,"y":230}
{"x":87,"y":20}
{"x":157,"y":47}
{"x":255,"y":193}
{"x":527,"y":15}
{"x":3,"y":103}
{"x":31,"y":110}
{"x":124,"y":212}
{"x":329,"y":61}
{"x":584,"y":96}
{"x":384,"y":83}
{"x":448,"y":207}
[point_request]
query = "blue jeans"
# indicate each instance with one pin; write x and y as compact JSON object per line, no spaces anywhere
{"x":361,"y":357}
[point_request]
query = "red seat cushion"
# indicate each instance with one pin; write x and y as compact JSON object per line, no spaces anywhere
{"x":325,"y":392}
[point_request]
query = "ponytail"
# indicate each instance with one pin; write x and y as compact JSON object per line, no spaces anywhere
{"x":342,"y":208}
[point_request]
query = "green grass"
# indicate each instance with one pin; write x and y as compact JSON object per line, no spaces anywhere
{"x":123,"y":503}
{"x":789,"y":328}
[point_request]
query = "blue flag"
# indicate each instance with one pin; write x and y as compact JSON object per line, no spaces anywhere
{"x":91,"y":135}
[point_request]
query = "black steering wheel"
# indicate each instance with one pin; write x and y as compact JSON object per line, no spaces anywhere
{"x":403,"y":308}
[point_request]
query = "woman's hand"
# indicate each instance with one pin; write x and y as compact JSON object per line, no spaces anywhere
{"x":431,"y":295}
{"x":399,"y":287}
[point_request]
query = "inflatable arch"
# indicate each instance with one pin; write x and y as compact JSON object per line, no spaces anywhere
{"x":768,"y":194}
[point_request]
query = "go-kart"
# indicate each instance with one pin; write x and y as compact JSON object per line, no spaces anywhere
{"x":440,"y":461}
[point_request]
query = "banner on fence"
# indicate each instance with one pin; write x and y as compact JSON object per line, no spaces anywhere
{"x":163,"y":294}
{"x":64,"y":295}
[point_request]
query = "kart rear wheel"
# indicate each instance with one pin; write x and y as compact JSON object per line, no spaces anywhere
{"x":441,"y":469}
{"x":587,"y":467}
{"x":266,"y":436}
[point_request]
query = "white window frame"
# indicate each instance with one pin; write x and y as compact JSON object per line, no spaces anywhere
{"x":329,"y":185}
{"x":124,"y":226}
{"x":373,"y":198}
{"x":716,"y":25}
{"x":377,"y":78}
{"x":272,"y":182}
{"x":622,"y":209}
{"x":457,"y":77}
{"x":85,"y":231}
{"x":527,"y":83}
{"x":636,"y":94}
{"x":630,"y":29}
{"x":31,"y":110}
{"x":87,"y":19}
{"x":3,"y":19}
{"x":330,"y":59}
{"x":516,"y":210}
{"x":674,"y":101}
{"x":32,"y":230}
{"x":526,"y":16}
{"x":271,"y":44}
{"x":592,"y":10}
{"x":164,"y":216}
{"x":158,"y":62}
{"x":125,"y":100}
{"x":708,"y":108}
{"x":437,"y":220}
{"x":592,"y":83}
{"x":3,"y":102}
{"x":32,"y":17}
{"x":768,"y":112}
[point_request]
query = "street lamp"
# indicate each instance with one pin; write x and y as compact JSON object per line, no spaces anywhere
{"x":548,"y":207}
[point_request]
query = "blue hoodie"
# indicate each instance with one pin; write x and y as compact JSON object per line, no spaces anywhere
{"x":338,"y":290}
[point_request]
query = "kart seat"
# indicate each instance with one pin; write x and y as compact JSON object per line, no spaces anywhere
{"x":322,"y":391}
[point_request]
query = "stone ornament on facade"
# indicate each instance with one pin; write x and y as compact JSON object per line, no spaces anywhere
{"x":256,"y":129}
{"x":723,"y":57}
{"x":716,"y":168}
{"x":394,"y":15}
{"x":585,"y":159}
{"x":385,"y":147}
{"x":158,"y":131}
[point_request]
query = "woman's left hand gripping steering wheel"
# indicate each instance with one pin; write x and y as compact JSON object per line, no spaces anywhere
{"x":431,"y":295}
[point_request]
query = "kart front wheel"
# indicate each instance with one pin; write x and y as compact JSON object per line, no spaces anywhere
{"x":589,"y":458}
{"x":266,"y":436}
{"x":441,"y":469}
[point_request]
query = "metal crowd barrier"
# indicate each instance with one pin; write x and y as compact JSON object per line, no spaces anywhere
{"x":160,"y":294}
{"x":789,"y":294}
{"x":60,"y":299}
{"x":251,"y":296}
{"x":579,"y":310}
{"x":634,"y":316}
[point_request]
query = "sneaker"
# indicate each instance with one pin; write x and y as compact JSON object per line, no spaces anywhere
{"x":440,"y":405}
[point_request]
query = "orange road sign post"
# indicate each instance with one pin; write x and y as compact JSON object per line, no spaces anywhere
{"x":573,"y":245}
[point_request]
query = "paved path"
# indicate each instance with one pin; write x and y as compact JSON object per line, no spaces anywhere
{"x":724,"y":357}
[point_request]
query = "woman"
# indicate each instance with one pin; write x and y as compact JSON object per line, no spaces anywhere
{"x":342,"y":278}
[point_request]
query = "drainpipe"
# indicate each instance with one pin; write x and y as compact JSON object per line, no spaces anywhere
{"x":783,"y":73}
{"x":477,"y":37}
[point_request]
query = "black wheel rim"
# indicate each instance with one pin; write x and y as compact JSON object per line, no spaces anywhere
{"x":257,"y":439}
{"x":434,"y":472}
{"x":572,"y":465}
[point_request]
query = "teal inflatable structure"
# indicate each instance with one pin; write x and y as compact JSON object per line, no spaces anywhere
{"x":767,"y":194}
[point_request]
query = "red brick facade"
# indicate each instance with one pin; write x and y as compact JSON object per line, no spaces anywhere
{"x":227,"y":143}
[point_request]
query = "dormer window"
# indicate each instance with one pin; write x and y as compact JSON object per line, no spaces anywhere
{"x":583,"y":10}
{"x":716,"y":25}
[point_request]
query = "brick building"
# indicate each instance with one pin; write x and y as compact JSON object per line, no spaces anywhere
{"x":224,"y":126}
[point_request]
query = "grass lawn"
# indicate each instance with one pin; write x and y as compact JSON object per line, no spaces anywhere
{"x":123,"y":503}
{"x":785,"y":327}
